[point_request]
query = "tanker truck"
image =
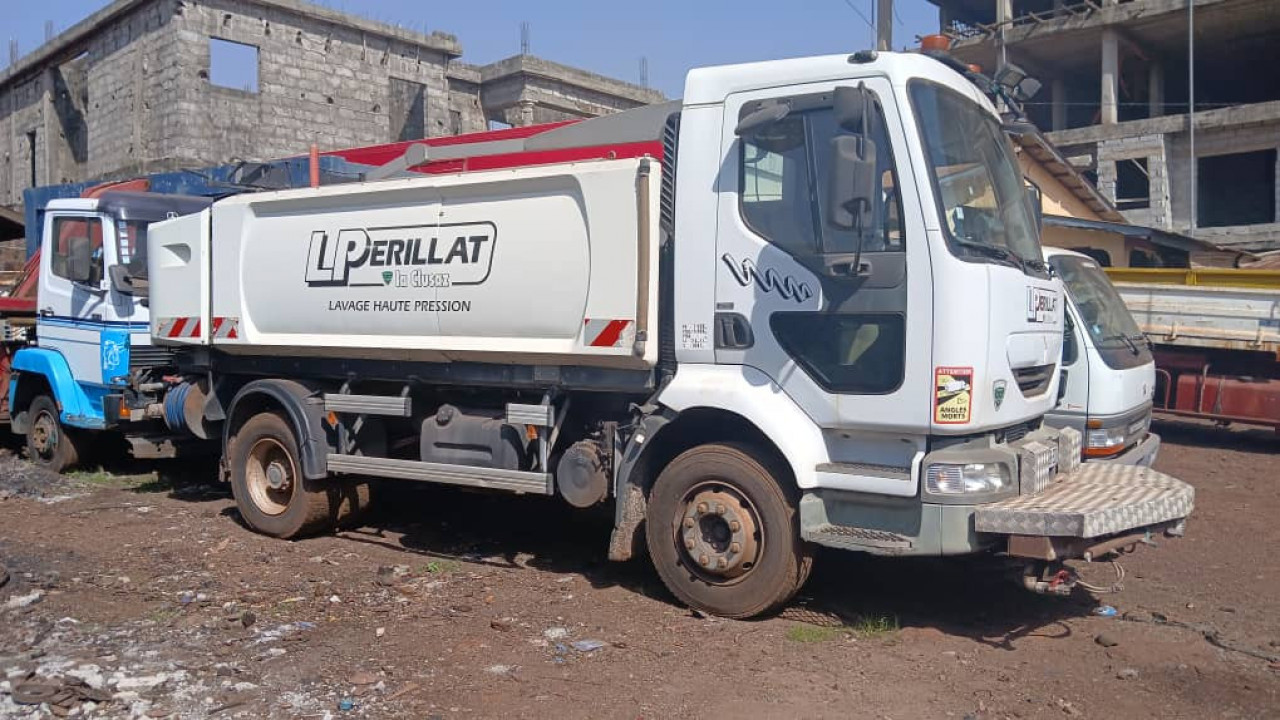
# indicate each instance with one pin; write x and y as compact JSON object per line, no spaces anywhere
{"x":804,"y":306}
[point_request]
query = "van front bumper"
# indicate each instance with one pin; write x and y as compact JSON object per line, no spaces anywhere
{"x":1144,"y":453}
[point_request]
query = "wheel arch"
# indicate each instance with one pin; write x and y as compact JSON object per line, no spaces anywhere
{"x":40,"y":371}
{"x":301,"y":406}
{"x":662,"y":437}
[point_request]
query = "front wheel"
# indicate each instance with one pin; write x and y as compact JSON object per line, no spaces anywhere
{"x":724,"y":534}
{"x":49,"y":444}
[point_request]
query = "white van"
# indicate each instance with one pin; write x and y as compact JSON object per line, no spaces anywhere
{"x":1107,"y":368}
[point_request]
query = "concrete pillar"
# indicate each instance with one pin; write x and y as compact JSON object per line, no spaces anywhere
{"x":1110,"y":76}
{"x":1004,"y":13}
{"x":1059,"y":100}
{"x":526,"y":113}
{"x":1155,"y":90}
{"x":884,"y":25}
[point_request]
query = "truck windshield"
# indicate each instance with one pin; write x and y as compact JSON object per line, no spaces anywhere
{"x":977,"y":182}
{"x":1112,"y":329}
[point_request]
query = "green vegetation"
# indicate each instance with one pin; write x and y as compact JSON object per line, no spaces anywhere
{"x":863,"y":626}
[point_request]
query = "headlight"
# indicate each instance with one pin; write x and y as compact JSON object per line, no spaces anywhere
{"x":1105,"y":438}
{"x":973,"y":478}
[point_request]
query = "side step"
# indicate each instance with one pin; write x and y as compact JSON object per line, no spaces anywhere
{"x":852,"y":538}
{"x":465,"y":475}
{"x":368,"y":404}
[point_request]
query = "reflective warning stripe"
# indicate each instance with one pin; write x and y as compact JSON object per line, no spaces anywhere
{"x":604,"y":333}
{"x":226,"y":327}
{"x":182,"y":327}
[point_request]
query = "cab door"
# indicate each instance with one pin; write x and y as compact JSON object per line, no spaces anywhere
{"x":73,"y":299}
{"x":837,"y":313}
{"x":789,"y":299}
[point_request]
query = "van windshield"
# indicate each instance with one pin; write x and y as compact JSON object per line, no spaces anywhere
{"x":985,"y":209}
{"x":1102,"y":311}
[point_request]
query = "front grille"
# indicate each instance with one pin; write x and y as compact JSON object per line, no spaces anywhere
{"x":1014,"y":433}
{"x":150,"y":356}
{"x":1034,"y":380}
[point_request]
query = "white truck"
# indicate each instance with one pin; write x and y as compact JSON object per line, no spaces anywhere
{"x":1108,"y":372}
{"x":804,"y":306}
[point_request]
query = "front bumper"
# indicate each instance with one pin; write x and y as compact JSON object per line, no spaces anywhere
{"x":1093,"y":501}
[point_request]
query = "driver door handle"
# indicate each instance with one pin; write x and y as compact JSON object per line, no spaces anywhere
{"x":46,"y":312}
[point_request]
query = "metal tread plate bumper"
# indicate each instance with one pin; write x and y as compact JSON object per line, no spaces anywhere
{"x":1091,"y":501}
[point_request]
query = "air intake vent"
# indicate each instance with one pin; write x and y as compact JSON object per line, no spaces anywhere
{"x":670,"y":134}
{"x":141,"y":356}
{"x":1034,"y":380}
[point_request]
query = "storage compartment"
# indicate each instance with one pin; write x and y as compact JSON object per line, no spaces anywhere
{"x":480,"y":438}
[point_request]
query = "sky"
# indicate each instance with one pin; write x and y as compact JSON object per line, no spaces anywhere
{"x":603,"y":36}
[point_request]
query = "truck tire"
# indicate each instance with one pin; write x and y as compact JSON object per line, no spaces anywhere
{"x":266,"y":479}
{"x":49,"y":444}
{"x":724,"y":535}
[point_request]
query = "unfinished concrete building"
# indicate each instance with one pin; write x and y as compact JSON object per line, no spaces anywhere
{"x":150,"y":85}
{"x":1118,"y":101}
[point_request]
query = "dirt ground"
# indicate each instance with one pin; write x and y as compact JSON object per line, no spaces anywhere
{"x":142,"y":595}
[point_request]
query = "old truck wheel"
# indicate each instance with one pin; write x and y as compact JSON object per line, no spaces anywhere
{"x":266,"y":480}
{"x":723,"y":534}
{"x":49,"y":444}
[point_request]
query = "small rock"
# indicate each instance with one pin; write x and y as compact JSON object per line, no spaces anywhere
{"x":1226,"y":609}
{"x":335,"y":599}
{"x":380,"y":632}
{"x":500,"y":669}
{"x":555,"y":633}
{"x":21,"y":601}
{"x":461,"y":608}
{"x":1105,"y":640}
{"x":502,"y":625}
{"x":364,"y":678}
{"x":247,"y":618}
{"x":1127,"y":674}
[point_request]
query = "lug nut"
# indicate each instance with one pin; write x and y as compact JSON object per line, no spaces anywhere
{"x":704,"y":560}
{"x":735,"y":548}
{"x":702,"y":508}
{"x":688,"y":522}
{"x":722,"y":563}
{"x":719,"y":509}
{"x":734,"y":525}
{"x":688,"y":543}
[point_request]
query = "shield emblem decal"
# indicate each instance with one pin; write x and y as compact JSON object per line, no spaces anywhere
{"x":997,"y":392}
{"x":386,"y":277}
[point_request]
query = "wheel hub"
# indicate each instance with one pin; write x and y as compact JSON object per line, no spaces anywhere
{"x":44,"y":435}
{"x":718,"y":533}
{"x":278,"y":476}
{"x":270,"y":475}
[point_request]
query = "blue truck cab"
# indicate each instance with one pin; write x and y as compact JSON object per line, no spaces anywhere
{"x":92,"y":330}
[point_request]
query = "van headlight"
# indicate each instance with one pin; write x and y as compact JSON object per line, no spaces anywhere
{"x":1105,"y":438}
{"x":968,"y":479}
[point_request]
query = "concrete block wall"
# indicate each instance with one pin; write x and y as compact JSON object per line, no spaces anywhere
{"x":1221,"y":141}
{"x":318,"y":82}
{"x":22,"y":110}
{"x":1150,"y":148}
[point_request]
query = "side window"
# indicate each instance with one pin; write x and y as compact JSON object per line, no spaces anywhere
{"x":785,"y":170}
{"x":77,"y":237}
{"x":848,"y":353}
{"x":777,"y":195}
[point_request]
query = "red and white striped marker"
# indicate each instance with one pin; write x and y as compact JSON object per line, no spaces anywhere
{"x":604,"y":333}
{"x":181,"y":327}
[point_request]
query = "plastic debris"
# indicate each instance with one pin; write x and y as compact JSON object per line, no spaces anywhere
{"x":346,"y":704}
{"x":587,"y":646}
{"x":1105,"y":611}
{"x":21,"y":601}
{"x":555,"y":633}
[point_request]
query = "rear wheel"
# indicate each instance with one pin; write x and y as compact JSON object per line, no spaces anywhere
{"x":724,"y":534}
{"x":49,"y":444}
{"x":266,"y":480}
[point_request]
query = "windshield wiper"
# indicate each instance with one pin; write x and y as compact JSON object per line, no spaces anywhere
{"x":1128,"y":341}
{"x":992,"y":251}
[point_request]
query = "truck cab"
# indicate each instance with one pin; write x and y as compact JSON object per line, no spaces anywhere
{"x":1108,"y":372}
{"x":92,"y":325}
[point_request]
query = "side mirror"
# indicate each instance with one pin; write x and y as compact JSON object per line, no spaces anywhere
{"x":1037,"y":207}
{"x":761,"y":117}
{"x":853,"y":187}
{"x":80,"y":261}
{"x":852,"y":106}
{"x":125,"y":283}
